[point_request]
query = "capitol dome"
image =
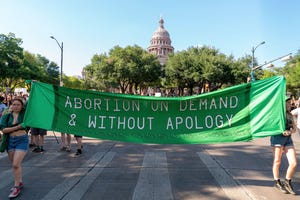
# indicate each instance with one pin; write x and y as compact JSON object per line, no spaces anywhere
{"x":160,"y":43}
{"x":161,"y":31}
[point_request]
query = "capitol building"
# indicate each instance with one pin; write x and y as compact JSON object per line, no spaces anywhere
{"x":160,"y":43}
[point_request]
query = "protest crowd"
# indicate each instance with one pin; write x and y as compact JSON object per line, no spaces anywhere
{"x":12,"y":109}
{"x":15,"y":105}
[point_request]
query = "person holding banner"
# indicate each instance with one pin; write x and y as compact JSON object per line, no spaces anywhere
{"x":283,"y":143}
{"x":18,"y":142}
{"x":65,"y":142}
{"x":38,"y":135}
{"x":79,"y":145}
{"x":296,"y":113}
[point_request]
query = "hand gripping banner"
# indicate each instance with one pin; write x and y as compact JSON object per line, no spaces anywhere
{"x":238,"y":113}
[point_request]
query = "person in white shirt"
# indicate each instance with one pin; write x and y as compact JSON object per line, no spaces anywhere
{"x":296,"y":114}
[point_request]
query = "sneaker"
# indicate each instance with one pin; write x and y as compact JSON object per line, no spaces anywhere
{"x":78,"y":152}
{"x":68,"y":149}
{"x":14,"y":192}
{"x":21,"y":185}
{"x":279,"y":186}
{"x":63,"y":148}
{"x":288,"y":186}
{"x":31,"y":145}
{"x":36,"y":150}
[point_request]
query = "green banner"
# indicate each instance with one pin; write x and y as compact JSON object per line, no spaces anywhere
{"x":238,"y":113}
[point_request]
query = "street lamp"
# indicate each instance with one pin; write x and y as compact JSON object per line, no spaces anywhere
{"x":252,"y":62}
{"x":61,"y":59}
{"x":284,"y":58}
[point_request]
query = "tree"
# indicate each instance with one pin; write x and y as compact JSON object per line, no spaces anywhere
{"x":241,"y":69}
{"x":201,"y":67}
{"x":11,"y":58}
{"x":49,"y":71}
{"x":73,"y":82}
{"x":182,"y":71}
{"x":94,"y":76}
{"x":39,"y":68}
{"x":291,"y":71}
{"x":217,"y":70}
{"x":130,"y":68}
{"x":17,"y":65}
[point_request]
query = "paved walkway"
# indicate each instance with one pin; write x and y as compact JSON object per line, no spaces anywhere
{"x":112,"y":170}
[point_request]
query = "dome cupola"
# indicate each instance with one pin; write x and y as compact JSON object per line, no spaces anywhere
{"x":160,"y":43}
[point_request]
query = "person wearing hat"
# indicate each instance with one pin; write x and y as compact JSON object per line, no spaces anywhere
{"x":283,"y":143}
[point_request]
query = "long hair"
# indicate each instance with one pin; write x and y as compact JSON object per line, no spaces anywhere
{"x":21,"y":101}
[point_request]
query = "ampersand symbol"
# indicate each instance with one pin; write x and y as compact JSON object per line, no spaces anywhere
{"x":72,"y":122}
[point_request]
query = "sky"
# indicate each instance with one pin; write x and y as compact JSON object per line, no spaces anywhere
{"x":89,"y":27}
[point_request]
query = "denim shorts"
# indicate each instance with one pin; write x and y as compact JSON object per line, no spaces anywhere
{"x":281,"y":141}
{"x":18,"y":143}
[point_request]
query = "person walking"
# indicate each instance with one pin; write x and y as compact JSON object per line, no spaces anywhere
{"x":79,"y":145}
{"x":65,"y":142}
{"x":283,"y":143}
{"x":18,"y":142}
{"x":38,"y":135}
{"x":296,"y":113}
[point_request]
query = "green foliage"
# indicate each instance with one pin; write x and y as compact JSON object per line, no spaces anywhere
{"x":96,"y":73}
{"x":197,"y":67}
{"x":291,"y":71}
{"x":241,"y":70}
{"x":267,"y":73}
{"x":11,"y":58}
{"x":73,"y":82}
{"x":17,"y":65}
{"x":130,"y":68}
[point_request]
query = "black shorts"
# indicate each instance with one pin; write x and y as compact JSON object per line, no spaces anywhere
{"x":78,"y":136}
{"x":38,"y":131}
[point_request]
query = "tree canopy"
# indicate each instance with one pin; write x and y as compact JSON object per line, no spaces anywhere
{"x":127,"y":68}
{"x":203,"y":67}
{"x":133,"y":70}
{"x":17,"y":65}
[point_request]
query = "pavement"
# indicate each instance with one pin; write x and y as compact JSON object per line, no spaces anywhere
{"x":110,"y":170}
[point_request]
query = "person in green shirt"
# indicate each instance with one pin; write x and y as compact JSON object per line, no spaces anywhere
{"x":18,"y":142}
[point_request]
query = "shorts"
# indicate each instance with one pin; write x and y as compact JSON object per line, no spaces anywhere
{"x":38,"y":131}
{"x":18,"y":143}
{"x":78,"y":136}
{"x":281,"y":141}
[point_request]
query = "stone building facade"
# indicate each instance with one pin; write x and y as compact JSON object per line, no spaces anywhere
{"x":160,"y":43}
